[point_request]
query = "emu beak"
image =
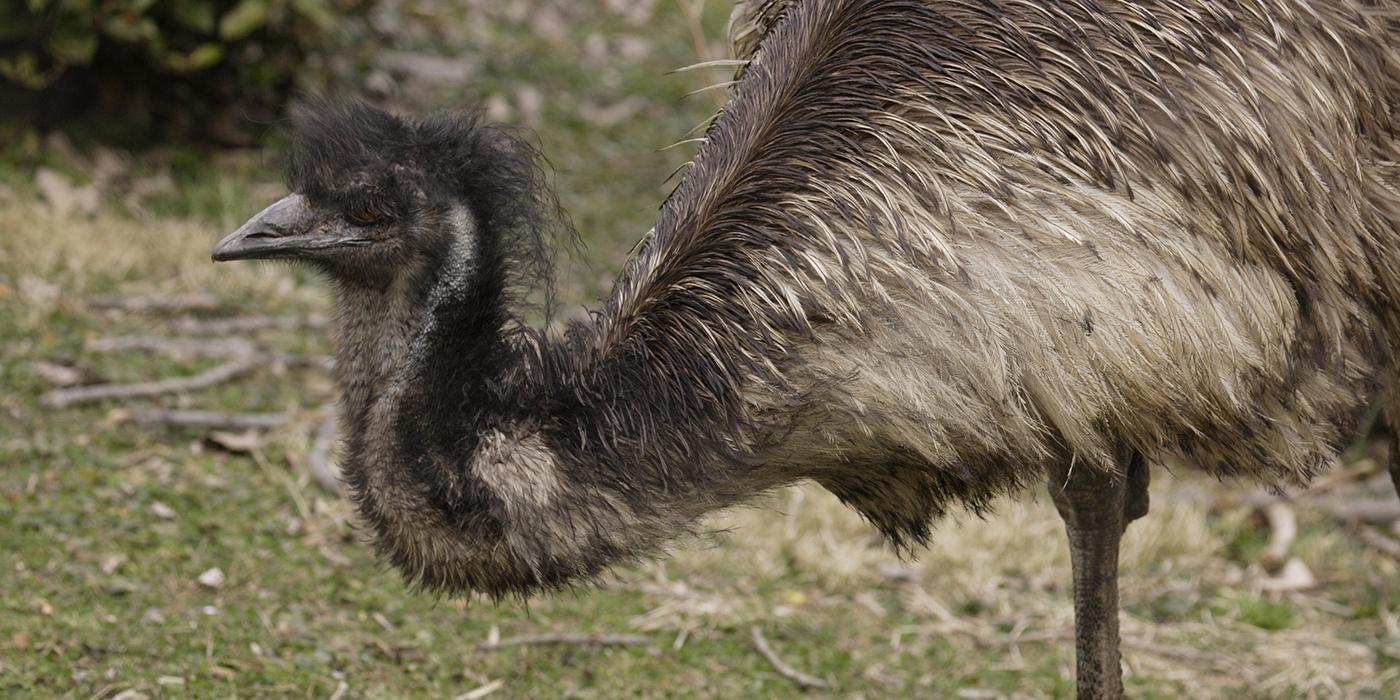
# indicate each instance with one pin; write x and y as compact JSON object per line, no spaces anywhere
{"x":283,"y":230}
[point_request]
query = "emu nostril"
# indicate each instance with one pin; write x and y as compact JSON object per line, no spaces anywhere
{"x":265,"y":233}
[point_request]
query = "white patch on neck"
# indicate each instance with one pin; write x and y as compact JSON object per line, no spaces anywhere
{"x":461,"y":260}
{"x":455,"y":275}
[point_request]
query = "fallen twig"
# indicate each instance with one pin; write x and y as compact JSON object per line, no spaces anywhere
{"x":1340,"y":477}
{"x":62,"y":375}
{"x":1217,"y":659}
{"x":174,"y":347}
{"x":1373,"y":537}
{"x":1370,"y":511}
{"x":205,"y":347}
{"x":206,"y":419}
{"x":802,"y":680}
{"x":247,"y":324}
{"x":318,"y":461}
{"x":482,"y":691}
{"x":1046,"y":635}
{"x":598,"y":640}
{"x":62,"y":398}
{"x":1163,"y":650}
{"x":325,"y":362}
{"x":147,"y":303}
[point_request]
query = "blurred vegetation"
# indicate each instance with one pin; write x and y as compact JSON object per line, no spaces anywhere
{"x":143,"y":71}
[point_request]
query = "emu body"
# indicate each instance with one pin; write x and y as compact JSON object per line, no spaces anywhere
{"x":932,"y":251}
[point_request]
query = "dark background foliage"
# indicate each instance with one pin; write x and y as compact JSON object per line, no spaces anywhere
{"x":149,"y":71}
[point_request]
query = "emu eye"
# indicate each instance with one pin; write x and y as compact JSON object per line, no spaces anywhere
{"x":365,"y":214}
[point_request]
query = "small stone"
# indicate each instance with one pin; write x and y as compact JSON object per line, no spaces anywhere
{"x":213,"y":578}
{"x":162,"y":511}
{"x":110,"y":562}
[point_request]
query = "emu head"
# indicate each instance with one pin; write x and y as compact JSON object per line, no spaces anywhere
{"x":376,"y":199}
{"x":427,"y":226}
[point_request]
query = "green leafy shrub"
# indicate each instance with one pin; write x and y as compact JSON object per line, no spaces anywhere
{"x":164,"y":68}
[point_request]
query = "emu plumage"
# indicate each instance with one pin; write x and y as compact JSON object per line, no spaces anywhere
{"x":930,"y":252}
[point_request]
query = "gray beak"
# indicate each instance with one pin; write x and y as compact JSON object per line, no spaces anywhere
{"x":283,"y":230}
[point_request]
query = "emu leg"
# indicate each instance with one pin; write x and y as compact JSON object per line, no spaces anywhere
{"x":1097,"y":508}
{"x":1395,"y":458}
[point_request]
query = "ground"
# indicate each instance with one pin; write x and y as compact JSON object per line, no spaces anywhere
{"x":176,"y":562}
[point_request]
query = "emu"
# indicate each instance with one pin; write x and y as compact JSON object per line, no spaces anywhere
{"x":931,"y":252}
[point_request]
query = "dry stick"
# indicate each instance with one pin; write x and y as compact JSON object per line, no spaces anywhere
{"x":1220,"y":661}
{"x":207,"y":419}
{"x":482,"y":691}
{"x":801,"y":679}
{"x":175,"y":347}
{"x":1163,"y":650}
{"x":1047,"y":635}
{"x":599,"y":640}
{"x":1370,"y":511}
{"x":1339,"y":477}
{"x":146,"y":303}
{"x":1373,"y":537}
{"x":325,"y":362}
{"x":318,"y":461}
{"x":204,"y":347}
{"x":62,"y":398}
{"x":248,"y":324}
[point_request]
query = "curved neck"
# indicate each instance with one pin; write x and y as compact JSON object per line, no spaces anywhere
{"x":483,"y":462}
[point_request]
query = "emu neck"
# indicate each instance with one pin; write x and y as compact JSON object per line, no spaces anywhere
{"x":373,"y":332}
{"x":413,"y":358}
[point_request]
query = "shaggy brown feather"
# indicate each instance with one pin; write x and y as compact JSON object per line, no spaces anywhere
{"x":999,"y":234}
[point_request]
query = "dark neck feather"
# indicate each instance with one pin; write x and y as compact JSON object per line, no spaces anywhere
{"x":432,"y":344}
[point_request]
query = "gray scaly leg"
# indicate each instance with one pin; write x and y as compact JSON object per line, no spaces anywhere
{"x":1097,"y":508}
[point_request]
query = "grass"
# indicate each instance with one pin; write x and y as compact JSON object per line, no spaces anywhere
{"x":106,"y":528}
